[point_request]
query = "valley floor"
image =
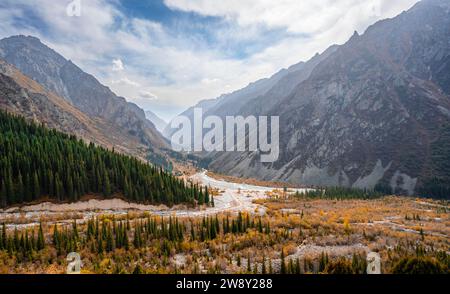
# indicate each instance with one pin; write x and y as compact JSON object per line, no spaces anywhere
{"x":233,"y":198}
{"x":301,"y":231}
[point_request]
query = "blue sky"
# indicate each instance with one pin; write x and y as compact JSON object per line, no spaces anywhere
{"x":166,"y":55}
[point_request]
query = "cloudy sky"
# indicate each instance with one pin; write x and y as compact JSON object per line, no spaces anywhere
{"x":166,"y":55}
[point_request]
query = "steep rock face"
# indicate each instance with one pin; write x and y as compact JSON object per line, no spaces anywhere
{"x":64,"y":78}
{"x":22,"y":96}
{"x":375,"y":111}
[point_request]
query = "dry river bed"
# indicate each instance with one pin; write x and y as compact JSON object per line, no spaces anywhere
{"x":233,"y":198}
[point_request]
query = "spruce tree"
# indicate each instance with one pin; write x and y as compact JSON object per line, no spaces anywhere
{"x":11,"y":199}
{"x":207,"y":200}
{"x":3,"y":238}
{"x":138,"y":270}
{"x":297,"y":267}
{"x":3,"y":195}
{"x":20,"y":189}
{"x":36,"y":187}
{"x":263,"y":267}
{"x":41,"y":238}
{"x":283,"y":264}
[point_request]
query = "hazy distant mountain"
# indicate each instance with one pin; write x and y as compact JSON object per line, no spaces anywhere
{"x":82,"y":90}
{"x":374,"y":111}
{"x":159,"y":123}
{"x":231,"y":104}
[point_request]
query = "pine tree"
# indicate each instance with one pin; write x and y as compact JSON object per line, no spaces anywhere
{"x":263,"y":267}
{"x":207,"y":200}
{"x":41,"y":238}
{"x":36,"y":186}
{"x":291,"y":266}
{"x":138,"y":270}
{"x":109,"y":240}
{"x":70,"y":189}
{"x":20,"y":189}
{"x":297,"y":267}
{"x":3,"y":238}
{"x":3,"y":195}
{"x":126,"y":243}
{"x":57,"y":240}
{"x":75,"y":230}
{"x":100,"y":247}
{"x":106,"y":186}
{"x":260,"y":227}
{"x":283,"y":264}
{"x":10,"y":190}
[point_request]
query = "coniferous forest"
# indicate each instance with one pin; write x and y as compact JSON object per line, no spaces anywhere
{"x":147,"y":244}
{"x":38,"y":163}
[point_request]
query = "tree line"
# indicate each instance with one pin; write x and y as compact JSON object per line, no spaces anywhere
{"x":161,"y":238}
{"x":104,"y":236}
{"x":339,"y":193}
{"x":37,"y":162}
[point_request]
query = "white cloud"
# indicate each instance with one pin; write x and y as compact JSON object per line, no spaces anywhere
{"x":125,"y":81}
{"x":147,"y":95}
{"x":179,"y":69}
{"x":117,"y":65}
{"x":209,"y":81}
{"x":299,"y":16}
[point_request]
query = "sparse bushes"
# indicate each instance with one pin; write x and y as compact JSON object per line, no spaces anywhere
{"x":224,"y":243}
{"x":419,"y":266}
{"x":340,"y":267}
{"x":339,"y":193}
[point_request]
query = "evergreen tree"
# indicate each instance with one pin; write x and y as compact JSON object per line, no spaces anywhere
{"x":207,"y":200}
{"x":20,"y":189}
{"x":41,"y":238}
{"x":36,"y":186}
{"x":3,"y":237}
{"x":297,"y":270}
{"x":263,"y":267}
{"x":283,"y":269}
{"x":11,"y":199}
{"x":3,"y":195}
{"x":138,"y":270}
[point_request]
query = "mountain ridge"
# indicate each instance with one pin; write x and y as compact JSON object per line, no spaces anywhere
{"x":25,"y":97}
{"x":367,"y":115}
{"x":84,"y":91}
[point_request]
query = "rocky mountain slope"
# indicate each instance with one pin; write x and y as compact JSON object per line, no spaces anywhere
{"x":281,"y":83}
{"x":374,"y":112}
{"x":83,"y":91}
{"x":23,"y":96}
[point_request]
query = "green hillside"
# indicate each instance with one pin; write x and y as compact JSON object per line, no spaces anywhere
{"x":37,"y":163}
